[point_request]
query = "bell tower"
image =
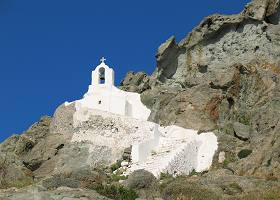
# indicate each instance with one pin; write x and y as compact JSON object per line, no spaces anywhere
{"x":103,"y":75}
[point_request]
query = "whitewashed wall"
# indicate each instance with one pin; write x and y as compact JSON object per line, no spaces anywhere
{"x":184,"y":162}
{"x":114,"y":100}
{"x":106,"y":97}
{"x":140,"y":151}
{"x":206,"y":151}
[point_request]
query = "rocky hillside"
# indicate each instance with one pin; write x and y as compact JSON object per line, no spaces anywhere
{"x":224,"y":77}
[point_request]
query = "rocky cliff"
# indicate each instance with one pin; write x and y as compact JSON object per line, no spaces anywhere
{"x":224,"y":76}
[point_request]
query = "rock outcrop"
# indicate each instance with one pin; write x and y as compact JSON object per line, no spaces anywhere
{"x":225,"y":76}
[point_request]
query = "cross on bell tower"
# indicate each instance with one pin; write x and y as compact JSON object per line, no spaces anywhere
{"x":103,"y":60}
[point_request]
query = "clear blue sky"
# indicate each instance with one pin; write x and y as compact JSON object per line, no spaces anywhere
{"x":48,"y":48}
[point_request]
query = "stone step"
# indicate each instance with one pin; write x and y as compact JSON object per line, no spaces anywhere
{"x":164,"y":154}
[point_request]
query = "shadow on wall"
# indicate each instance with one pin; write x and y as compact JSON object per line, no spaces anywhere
{"x":128,"y":109}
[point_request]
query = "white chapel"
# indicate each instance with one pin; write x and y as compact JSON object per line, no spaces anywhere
{"x":157,"y":149}
{"x":104,"y":95}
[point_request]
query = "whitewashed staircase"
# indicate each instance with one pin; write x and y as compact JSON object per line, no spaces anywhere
{"x":161,"y":158}
{"x":179,"y":151}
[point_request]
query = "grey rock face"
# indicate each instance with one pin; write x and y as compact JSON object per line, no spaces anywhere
{"x":135,"y":82}
{"x":31,"y":156}
{"x":260,"y":9}
{"x":40,"y":129}
{"x":16,"y":167}
{"x":209,"y":57}
{"x":242,"y":131}
{"x":190,"y":108}
{"x":225,"y":75}
{"x":166,"y":66}
{"x":63,"y":120}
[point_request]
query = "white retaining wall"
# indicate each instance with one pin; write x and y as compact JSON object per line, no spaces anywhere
{"x":184,"y":161}
{"x":140,"y":151}
{"x":207,"y":148}
{"x":180,"y":151}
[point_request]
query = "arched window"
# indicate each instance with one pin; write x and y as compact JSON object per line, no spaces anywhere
{"x":101,"y":75}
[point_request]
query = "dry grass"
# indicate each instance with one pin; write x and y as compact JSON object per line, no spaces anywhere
{"x":270,"y":194}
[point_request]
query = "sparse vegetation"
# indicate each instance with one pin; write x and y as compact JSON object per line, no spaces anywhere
{"x":225,"y":163}
{"x":3,"y":172}
{"x":117,"y":192}
{"x":194,"y":173}
{"x":232,"y":189}
{"x":229,"y":158}
{"x":20,"y":183}
{"x":270,"y":194}
{"x":180,"y":188}
{"x":244,"y":153}
{"x":117,"y":177}
{"x":165,"y":176}
{"x":115,"y":166}
{"x":165,"y":179}
{"x":244,"y":120}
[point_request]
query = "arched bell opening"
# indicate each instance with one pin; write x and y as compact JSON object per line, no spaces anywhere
{"x":102,"y":75}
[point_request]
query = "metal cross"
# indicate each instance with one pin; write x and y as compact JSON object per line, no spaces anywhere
{"x":103,"y":60}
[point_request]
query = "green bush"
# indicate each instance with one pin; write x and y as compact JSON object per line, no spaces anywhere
{"x":165,"y":176}
{"x":244,"y":153}
{"x":230,"y":157}
{"x":117,"y":177}
{"x":225,"y":163}
{"x":193,"y":173}
{"x":117,"y":192}
{"x":244,"y":120}
{"x":115,"y":166}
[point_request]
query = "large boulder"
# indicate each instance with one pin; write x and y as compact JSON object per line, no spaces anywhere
{"x":140,"y":179}
{"x":135,"y":82}
{"x":145,"y":183}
